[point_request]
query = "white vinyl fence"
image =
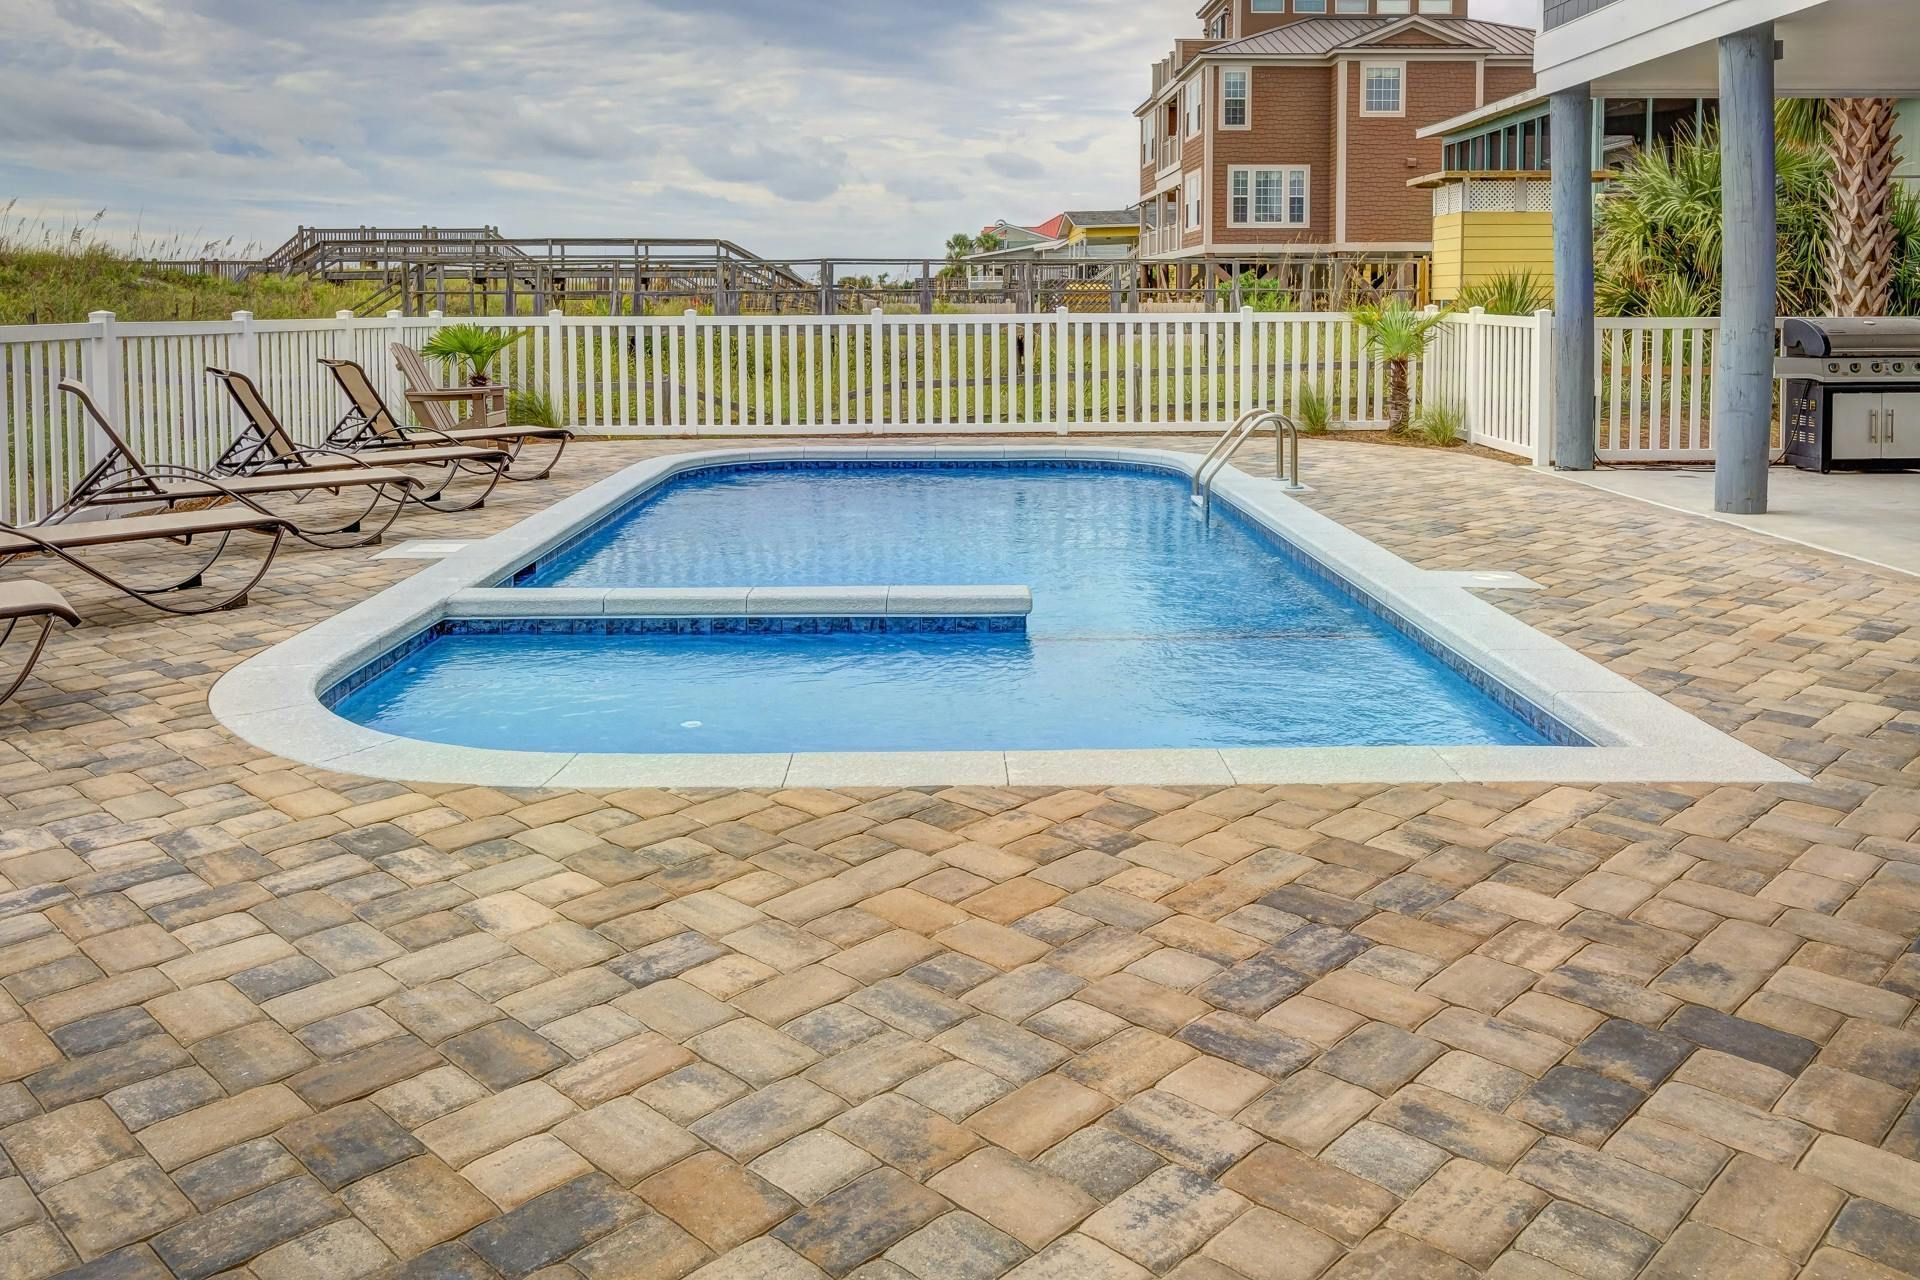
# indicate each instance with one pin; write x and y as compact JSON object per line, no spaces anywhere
{"x":875,"y":374}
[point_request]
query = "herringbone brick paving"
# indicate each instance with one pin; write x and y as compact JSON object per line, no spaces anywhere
{"x":266,"y":1021}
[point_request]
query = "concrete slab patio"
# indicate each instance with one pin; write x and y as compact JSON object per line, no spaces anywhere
{"x":270,"y":1021}
{"x":1870,"y":516}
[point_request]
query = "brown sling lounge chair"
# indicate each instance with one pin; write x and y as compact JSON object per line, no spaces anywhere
{"x":122,"y":478}
{"x":487,"y":418}
{"x":31,"y":601}
{"x":265,"y":447}
{"x":70,"y":542}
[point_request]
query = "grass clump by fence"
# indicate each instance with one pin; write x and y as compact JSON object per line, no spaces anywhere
{"x":56,"y":275}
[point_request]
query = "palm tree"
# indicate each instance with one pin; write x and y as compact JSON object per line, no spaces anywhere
{"x":959,"y":245}
{"x":1399,"y":335}
{"x":1860,"y":232}
{"x":469,"y":349}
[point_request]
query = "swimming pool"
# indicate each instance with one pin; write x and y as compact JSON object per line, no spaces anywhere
{"x":1150,"y":627}
{"x":1481,"y":673}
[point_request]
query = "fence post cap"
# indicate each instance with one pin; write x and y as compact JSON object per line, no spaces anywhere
{"x":1476,"y":311}
{"x":395,"y":315}
{"x":436,"y":315}
{"x":242,"y":316}
{"x":1544,"y":313}
{"x":343,"y":315}
{"x":877,"y":312}
{"x":1246,"y":309}
{"x":691,"y":313}
{"x":553,"y":313}
{"x":100,"y":317}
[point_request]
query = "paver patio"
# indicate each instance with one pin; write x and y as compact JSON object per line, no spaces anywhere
{"x":266,"y":1021}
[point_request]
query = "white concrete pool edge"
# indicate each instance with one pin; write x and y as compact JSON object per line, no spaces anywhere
{"x":272,"y":700}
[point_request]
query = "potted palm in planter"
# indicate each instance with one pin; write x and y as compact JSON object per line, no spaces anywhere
{"x":468,"y":350}
{"x":1399,"y":335}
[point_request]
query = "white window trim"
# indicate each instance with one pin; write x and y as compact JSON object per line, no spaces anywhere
{"x":1401,"y":67}
{"x":1306,"y":176}
{"x":1193,"y":108}
{"x":1248,"y":73}
{"x":1192,"y":214}
{"x":1146,"y":141}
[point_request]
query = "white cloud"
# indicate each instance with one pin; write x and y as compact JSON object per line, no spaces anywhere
{"x":794,"y":127}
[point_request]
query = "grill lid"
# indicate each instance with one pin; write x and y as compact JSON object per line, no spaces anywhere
{"x":1832,"y":336}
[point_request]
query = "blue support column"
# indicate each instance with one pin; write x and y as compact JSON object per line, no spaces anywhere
{"x":1572,"y":182}
{"x":1743,"y":382}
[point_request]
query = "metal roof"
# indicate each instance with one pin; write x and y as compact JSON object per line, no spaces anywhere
{"x":1102,"y":218}
{"x":1320,"y":36}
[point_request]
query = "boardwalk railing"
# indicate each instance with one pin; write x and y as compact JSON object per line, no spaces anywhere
{"x":873,"y":374}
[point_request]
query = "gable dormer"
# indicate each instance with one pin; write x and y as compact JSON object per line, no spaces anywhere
{"x":1255,"y":16}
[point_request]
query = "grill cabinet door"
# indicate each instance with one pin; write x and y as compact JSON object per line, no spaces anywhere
{"x":1855,"y":425}
{"x":1900,"y":424}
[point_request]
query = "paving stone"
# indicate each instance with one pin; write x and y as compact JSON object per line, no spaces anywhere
{"x":1380,"y":1057}
{"x":1388,"y":1254}
{"x":1078,"y":1257}
{"x":1767,"y":1205}
{"x":502,"y":1054}
{"x":1873,"y":1230}
{"x":1258,"y":1048}
{"x":340,"y":1249}
{"x":237,"y":1171}
{"x":114,"y":1206}
{"x":1100,"y":1162}
{"x":1165,"y":1217}
{"x":1716,"y":1030}
{"x":417,"y":1204}
{"x":63,"y":1144}
{"x":1630,"y":1053}
{"x":1326,"y":1198}
{"x":1580,"y":1242}
{"x":1469,"y":1211}
{"x":1643,"y":1200}
{"x":1181,"y":1132}
{"x":1456,"y":1125}
{"x":1389,"y":1157}
{"x":1308,"y":1110}
{"x":860,"y":1220}
{"x":1576,"y":1103}
{"x":716,"y":1200}
{"x":1729,"y":1121}
{"x":1698,"y":1250}
{"x":553,"y":1225}
{"x":957,"y":1246}
{"x":811,"y":1165}
{"x":647,"y":1247}
{"x":348,"y":1143}
{"x":246,"y":1228}
{"x":1866,"y":1171}
{"x":1844,"y":1103}
{"x":1024,"y":1200}
{"x":626,"y":1139}
{"x":765,"y":1119}
{"x":1263,"y":1245}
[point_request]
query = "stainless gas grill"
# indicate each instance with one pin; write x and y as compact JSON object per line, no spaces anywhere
{"x":1852,"y":393}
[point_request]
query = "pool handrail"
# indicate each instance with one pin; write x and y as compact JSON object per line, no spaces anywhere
{"x":1286,"y":467}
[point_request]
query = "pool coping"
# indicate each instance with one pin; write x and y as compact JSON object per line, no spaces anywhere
{"x":273,"y":699}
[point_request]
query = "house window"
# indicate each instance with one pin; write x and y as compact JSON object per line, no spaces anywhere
{"x":1235,"y":88}
{"x":1352,"y":6}
{"x":1267,"y":197}
{"x":1146,"y":141}
{"x":1191,"y":99}
{"x":1300,"y":6}
{"x":1271,"y":6}
{"x":1381,"y":88}
{"x":1436,"y":6}
{"x":1394,"y":6}
{"x":1193,"y":201}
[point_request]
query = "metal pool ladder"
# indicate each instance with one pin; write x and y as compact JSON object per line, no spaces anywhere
{"x":1286,"y":467}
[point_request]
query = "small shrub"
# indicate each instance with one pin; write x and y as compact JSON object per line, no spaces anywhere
{"x":1312,"y":411}
{"x":1441,"y":424}
{"x":531,"y":409}
{"x":1510,"y":293}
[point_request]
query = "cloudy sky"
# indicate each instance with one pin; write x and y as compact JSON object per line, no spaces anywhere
{"x":796,"y":127}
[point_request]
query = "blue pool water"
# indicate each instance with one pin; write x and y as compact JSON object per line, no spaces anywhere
{"x":1149,"y":628}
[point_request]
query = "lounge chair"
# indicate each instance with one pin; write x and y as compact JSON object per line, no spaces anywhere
{"x":264,"y":447}
{"x":122,"y":478}
{"x":486,"y":420}
{"x":68,"y":542}
{"x":36,"y":601}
